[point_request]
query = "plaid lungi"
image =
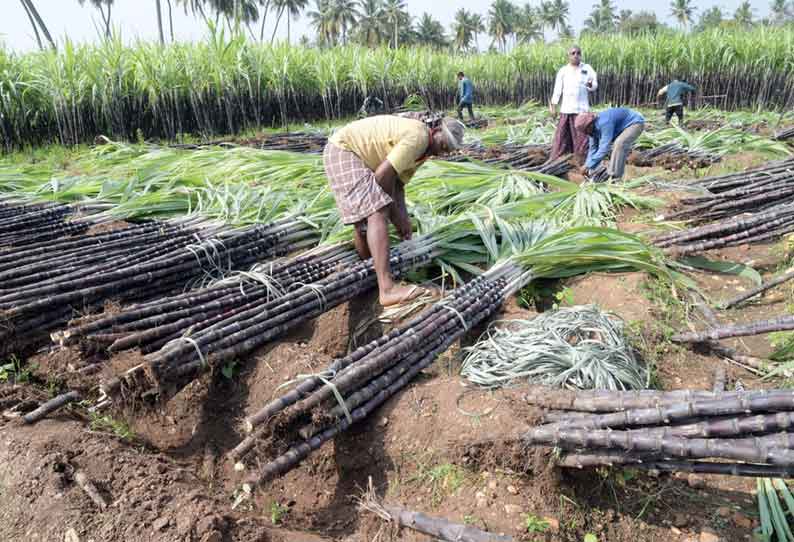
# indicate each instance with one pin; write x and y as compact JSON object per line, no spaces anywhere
{"x":353,"y":184}
{"x":567,"y":139}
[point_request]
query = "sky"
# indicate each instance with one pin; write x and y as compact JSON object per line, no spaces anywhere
{"x":138,"y":19}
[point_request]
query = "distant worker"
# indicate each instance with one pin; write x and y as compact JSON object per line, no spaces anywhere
{"x":573,"y":83}
{"x":674,"y":104}
{"x":619,"y":125}
{"x":367,"y":164}
{"x":466,"y":96}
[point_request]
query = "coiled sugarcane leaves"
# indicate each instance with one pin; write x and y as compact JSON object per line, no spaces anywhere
{"x":572,"y":347}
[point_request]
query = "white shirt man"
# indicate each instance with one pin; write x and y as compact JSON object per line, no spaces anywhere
{"x":574,"y":82}
{"x":572,"y":86}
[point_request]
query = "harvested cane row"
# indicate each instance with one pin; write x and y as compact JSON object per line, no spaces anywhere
{"x":758,"y":227}
{"x":307,"y":142}
{"x":236,"y":323}
{"x":46,"y":282}
{"x":748,"y":432}
{"x":321,"y":407}
{"x":672,"y":152}
{"x":782,"y":135}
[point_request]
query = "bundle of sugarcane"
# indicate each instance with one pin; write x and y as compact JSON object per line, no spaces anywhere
{"x":523,"y":157}
{"x":768,"y":173}
{"x":321,"y":406}
{"x":24,"y":222}
{"x":599,"y":174}
{"x":150,"y":326}
{"x":352,"y":387}
{"x":307,"y":142}
{"x":673,"y":151}
{"x":786,"y":133}
{"x":757,"y":227}
{"x":168,"y":258}
{"x":215,"y":336}
{"x":746,"y":431}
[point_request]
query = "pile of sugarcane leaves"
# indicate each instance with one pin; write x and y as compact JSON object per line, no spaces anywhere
{"x":737,"y":433}
{"x":578,"y":347}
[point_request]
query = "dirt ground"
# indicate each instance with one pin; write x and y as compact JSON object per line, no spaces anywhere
{"x":439,"y":447}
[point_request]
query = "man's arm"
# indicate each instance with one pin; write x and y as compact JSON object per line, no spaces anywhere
{"x":690,"y":88}
{"x":388,"y":179}
{"x":399,"y":212}
{"x":662,"y":91}
{"x":594,"y":84}
{"x":557,"y":93}
{"x":594,"y":157}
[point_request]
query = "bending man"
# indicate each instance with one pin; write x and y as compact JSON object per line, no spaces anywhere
{"x":619,"y":127}
{"x":674,"y":104}
{"x":573,"y":83}
{"x":367,"y":163}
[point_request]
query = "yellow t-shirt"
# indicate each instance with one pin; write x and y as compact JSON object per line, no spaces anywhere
{"x":399,"y":140}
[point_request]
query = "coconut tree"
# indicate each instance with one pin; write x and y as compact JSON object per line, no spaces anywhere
{"x":501,"y":22}
{"x":37,"y":22}
{"x":780,"y":11}
{"x":159,"y":10}
{"x":194,"y":7}
{"x":346,"y":14}
{"x":393,"y":13}
{"x":529,"y":24}
{"x":370,"y":16}
{"x":430,"y":32}
{"x":477,"y":28}
{"x":322,"y":19}
{"x":744,"y":14}
{"x":555,"y":14}
{"x":710,"y":18}
{"x":602,"y":18}
{"x":682,"y":11}
{"x":461,"y":30}
{"x":104,"y":7}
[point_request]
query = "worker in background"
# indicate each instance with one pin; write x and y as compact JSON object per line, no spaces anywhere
{"x":572,"y":86}
{"x":367,"y":164}
{"x":465,"y":95}
{"x":674,"y":104}
{"x":619,"y":127}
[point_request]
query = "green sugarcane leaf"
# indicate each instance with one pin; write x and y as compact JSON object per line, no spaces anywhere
{"x":728,"y":268}
{"x":763,"y":510}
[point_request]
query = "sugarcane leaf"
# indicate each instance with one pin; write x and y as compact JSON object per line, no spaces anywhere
{"x":725,"y":267}
{"x":767,"y":528}
{"x":781,"y":526}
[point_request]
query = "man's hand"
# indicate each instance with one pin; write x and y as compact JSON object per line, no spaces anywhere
{"x":552,"y":110}
{"x":402,"y":222}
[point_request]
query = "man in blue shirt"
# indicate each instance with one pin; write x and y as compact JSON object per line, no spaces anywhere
{"x":466,"y":94}
{"x":674,"y":104}
{"x":619,"y":125}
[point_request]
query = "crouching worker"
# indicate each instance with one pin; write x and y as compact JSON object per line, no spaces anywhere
{"x":619,"y":127}
{"x":367,"y":164}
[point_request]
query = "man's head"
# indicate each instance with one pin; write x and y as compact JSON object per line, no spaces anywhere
{"x":584,"y":123}
{"x":447,"y":136}
{"x":460,"y":75}
{"x":574,"y":55}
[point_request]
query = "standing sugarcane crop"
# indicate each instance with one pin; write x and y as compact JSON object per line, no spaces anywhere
{"x":674,"y":103}
{"x":619,"y":127}
{"x":367,"y":163}
{"x":573,"y":83}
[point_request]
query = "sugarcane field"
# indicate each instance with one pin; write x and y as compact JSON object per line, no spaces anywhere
{"x":375,"y":271}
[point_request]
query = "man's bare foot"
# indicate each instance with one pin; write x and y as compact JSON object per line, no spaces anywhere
{"x":400,"y":294}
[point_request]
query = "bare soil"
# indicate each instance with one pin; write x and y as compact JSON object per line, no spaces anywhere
{"x":439,"y":446}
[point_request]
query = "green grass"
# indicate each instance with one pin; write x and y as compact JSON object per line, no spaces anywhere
{"x":108,"y":424}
